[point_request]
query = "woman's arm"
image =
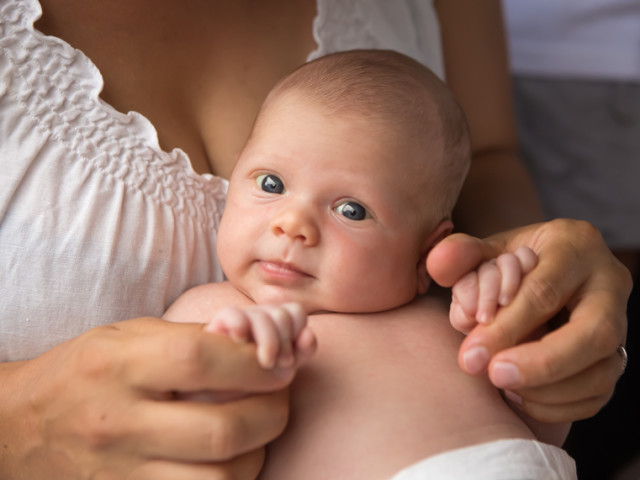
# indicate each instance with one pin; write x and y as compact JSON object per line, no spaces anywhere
{"x":498,"y":193}
{"x":103,"y":404}
{"x":570,"y":373}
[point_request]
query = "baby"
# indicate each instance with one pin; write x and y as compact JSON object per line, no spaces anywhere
{"x":348,"y":179}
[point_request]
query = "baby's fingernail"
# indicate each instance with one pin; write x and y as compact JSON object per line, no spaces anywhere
{"x":513,"y":397}
{"x":505,"y":375}
{"x":484,"y":318}
{"x":475,"y":360}
{"x":265,"y":360}
{"x":238,"y":338}
{"x":504,"y":300}
{"x":211,"y":328}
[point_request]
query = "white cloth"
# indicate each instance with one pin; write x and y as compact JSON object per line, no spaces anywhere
{"x":97,"y":223}
{"x":593,"y":39}
{"x":513,"y":459}
{"x":407,"y":26}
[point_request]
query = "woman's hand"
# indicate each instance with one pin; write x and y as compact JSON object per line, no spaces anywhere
{"x":566,"y":373}
{"x":103,"y":406}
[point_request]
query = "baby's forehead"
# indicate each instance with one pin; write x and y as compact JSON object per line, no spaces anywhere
{"x":408,"y":149}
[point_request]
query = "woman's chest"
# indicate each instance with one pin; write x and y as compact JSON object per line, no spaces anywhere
{"x":197,"y":70}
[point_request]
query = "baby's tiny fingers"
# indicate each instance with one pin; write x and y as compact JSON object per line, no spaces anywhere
{"x":459,"y":319}
{"x":465,"y":292}
{"x":283,"y":323}
{"x":511,"y":272}
{"x":266,"y":336}
{"x":489,"y":280}
{"x":230,"y":321}
{"x":305,"y":346}
{"x":298,"y":317}
{"x":527,"y":257}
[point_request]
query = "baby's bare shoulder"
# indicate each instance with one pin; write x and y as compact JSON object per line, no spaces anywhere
{"x":421,"y":323}
{"x":200,"y":303}
{"x":391,"y":375}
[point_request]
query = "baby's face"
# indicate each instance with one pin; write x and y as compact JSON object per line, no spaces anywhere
{"x":323,"y":210}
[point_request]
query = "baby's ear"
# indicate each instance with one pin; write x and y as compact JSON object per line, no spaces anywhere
{"x":443,"y":229}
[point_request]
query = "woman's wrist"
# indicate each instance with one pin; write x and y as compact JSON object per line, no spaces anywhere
{"x":15,"y":420}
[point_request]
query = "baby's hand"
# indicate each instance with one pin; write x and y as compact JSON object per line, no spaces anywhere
{"x":280,"y":332}
{"x":477,"y":296}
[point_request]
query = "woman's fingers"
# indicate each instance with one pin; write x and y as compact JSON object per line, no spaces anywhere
{"x":572,"y":398}
{"x":594,"y":382}
{"x":457,"y":255}
{"x":142,"y":370}
{"x":246,"y":467}
{"x":107,"y":400}
{"x":576,"y":272}
{"x":186,"y":358}
{"x":588,"y":337}
{"x":206,"y":432}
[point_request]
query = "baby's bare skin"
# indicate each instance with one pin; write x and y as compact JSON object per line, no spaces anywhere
{"x":382,"y":392}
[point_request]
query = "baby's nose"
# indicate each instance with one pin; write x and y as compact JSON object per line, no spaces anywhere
{"x":297,"y":224}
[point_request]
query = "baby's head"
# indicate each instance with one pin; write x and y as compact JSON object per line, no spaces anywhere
{"x":397,"y":96}
{"x":348,"y":179}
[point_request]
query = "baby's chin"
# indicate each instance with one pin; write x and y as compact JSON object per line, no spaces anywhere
{"x":275,"y":295}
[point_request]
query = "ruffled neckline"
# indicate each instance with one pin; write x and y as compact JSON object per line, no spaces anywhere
{"x":23,"y":14}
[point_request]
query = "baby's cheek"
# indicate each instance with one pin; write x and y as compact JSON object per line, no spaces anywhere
{"x":224,"y":245}
{"x":369,"y":281}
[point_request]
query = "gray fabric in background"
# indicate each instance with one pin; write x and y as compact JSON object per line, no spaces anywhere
{"x":581,"y":142}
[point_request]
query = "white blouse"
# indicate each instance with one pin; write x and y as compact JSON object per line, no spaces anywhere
{"x":97,"y":222}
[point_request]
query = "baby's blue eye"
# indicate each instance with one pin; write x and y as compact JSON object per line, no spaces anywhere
{"x":352,"y":210}
{"x":270,"y":183}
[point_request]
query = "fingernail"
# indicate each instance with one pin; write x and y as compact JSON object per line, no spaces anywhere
{"x":475,"y":360}
{"x":505,"y":375}
{"x":484,"y":318}
{"x":211,"y":328}
{"x":504,"y":300}
{"x":513,"y":397}
{"x":266,"y":360}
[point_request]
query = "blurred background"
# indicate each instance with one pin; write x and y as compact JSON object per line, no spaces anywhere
{"x":576,"y":76}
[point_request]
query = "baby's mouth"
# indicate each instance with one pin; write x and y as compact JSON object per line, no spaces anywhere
{"x":282,"y":270}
